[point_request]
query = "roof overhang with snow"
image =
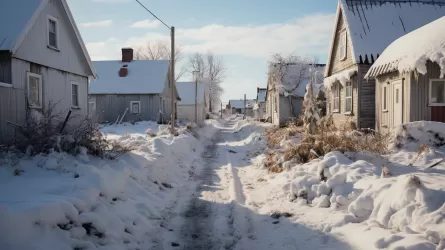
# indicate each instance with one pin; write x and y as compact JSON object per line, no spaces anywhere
{"x":373,"y":24}
{"x":412,"y":51}
{"x":18,"y":17}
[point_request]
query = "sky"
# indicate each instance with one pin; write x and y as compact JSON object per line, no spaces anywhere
{"x":245,"y":33}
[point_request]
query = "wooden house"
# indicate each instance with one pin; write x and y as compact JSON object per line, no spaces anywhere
{"x":137,"y":90}
{"x":409,"y":76}
{"x":363,"y":29}
{"x":186,"y":106}
{"x":43,"y":60}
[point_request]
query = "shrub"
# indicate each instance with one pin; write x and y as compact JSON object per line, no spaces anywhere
{"x":46,"y":131}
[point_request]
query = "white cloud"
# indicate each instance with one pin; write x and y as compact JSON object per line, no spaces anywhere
{"x":103,"y":23}
{"x":146,"y":24}
{"x":306,"y":36}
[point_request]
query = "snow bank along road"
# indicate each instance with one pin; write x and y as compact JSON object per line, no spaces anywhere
{"x":216,"y":215}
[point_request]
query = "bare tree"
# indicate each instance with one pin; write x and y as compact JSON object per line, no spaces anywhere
{"x":215,"y":74}
{"x":161,"y":51}
{"x":211,"y":69}
{"x":288,"y":73}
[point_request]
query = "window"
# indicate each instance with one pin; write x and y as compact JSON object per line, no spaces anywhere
{"x":34,"y":90}
{"x":343,"y":43}
{"x":135,"y":107}
{"x":3,"y":72}
{"x":348,"y":98}
{"x":74,"y":95}
{"x":384,"y":98}
{"x":437,"y":92}
{"x":336,"y":98}
{"x":91,"y":106}
{"x":52,"y":33}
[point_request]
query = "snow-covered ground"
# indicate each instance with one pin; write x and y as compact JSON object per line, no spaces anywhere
{"x":59,"y":201}
{"x":208,"y":190}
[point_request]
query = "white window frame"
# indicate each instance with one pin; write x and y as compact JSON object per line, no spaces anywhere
{"x":28,"y":75}
{"x":343,"y":45}
{"x":336,"y":96}
{"x":430,"y":93}
{"x":139,"y":107}
{"x":385,"y":97}
{"x":71,"y":91}
{"x":93,"y":109}
{"x":348,"y":98}
{"x":57,"y":47}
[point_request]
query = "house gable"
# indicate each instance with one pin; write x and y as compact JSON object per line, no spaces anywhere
{"x":71,"y":55}
{"x":335,"y":62}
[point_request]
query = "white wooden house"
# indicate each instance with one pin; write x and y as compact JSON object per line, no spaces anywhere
{"x":410,"y":84}
{"x":259,"y":109}
{"x":186,"y":106}
{"x":362,"y":30}
{"x":286,"y":88}
{"x":134,"y":90}
{"x":43,"y":60}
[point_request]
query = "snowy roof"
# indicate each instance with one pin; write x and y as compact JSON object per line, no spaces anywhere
{"x":18,"y":17}
{"x":187,"y":92}
{"x":261,"y":95}
{"x":342,"y":77}
{"x":239,"y":104}
{"x":292,"y":76}
{"x":374,"y":24}
{"x":14,"y":18}
{"x":411,"y":52}
{"x":144,"y":77}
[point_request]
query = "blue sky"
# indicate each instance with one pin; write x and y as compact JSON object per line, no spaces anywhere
{"x":244,"y":32}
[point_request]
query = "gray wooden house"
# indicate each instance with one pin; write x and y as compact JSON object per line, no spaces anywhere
{"x":42,"y":60}
{"x":363,"y":29}
{"x":286,"y":87}
{"x":410,"y":84}
{"x":137,"y":90}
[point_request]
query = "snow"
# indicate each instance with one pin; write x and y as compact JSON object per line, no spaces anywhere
{"x":373,"y":26}
{"x":62,"y":201}
{"x":342,"y":77}
{"x":412,"y":51}
{"x":209,"y":188}
{"x":186,"y":91}
{"x":144,"y":77}
{"x":14,"y":17}
{"x":292,"y":77}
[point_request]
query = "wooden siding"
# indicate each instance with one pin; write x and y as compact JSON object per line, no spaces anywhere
{"x":5,"y":67}
{"x":69,"y":57}
{"x":56,"y":89}
{"x":340,"y":118}
{"x":367,"y":99}
{"x":337,"y":64}
{"x":420,"y":95}
{"x":109,"y":107}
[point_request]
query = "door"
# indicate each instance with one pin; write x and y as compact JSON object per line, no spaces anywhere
{"x":397,"y":103}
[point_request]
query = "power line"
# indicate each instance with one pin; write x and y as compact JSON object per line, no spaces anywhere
{"x":153,"y":14}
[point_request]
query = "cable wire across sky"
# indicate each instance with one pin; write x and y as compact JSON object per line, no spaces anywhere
{"x":153,"y":14}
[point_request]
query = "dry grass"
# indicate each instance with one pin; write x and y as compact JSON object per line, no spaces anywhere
{"x":326,"y":139}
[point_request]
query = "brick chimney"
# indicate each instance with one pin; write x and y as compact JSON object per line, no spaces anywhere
{"x":127,"y":54}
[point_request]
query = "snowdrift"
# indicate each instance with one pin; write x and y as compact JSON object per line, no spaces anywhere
{"x":59,"y":201}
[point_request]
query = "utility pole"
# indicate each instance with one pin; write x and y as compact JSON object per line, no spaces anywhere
{"x":172,"y":79}
{"x":221,"y":110}
{"x":196,"y":98}
{"x":244,"y":106}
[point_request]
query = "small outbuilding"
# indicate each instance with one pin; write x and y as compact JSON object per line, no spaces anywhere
{"x":410,"y":84}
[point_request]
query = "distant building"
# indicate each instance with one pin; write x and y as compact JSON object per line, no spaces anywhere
{"x":186,"y":107}
{"x":138,"y":90}
{"x":238,"y":107}
{"x":259,"y":109}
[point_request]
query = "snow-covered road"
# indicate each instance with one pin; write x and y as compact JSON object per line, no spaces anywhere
{"x":216,"y":215}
